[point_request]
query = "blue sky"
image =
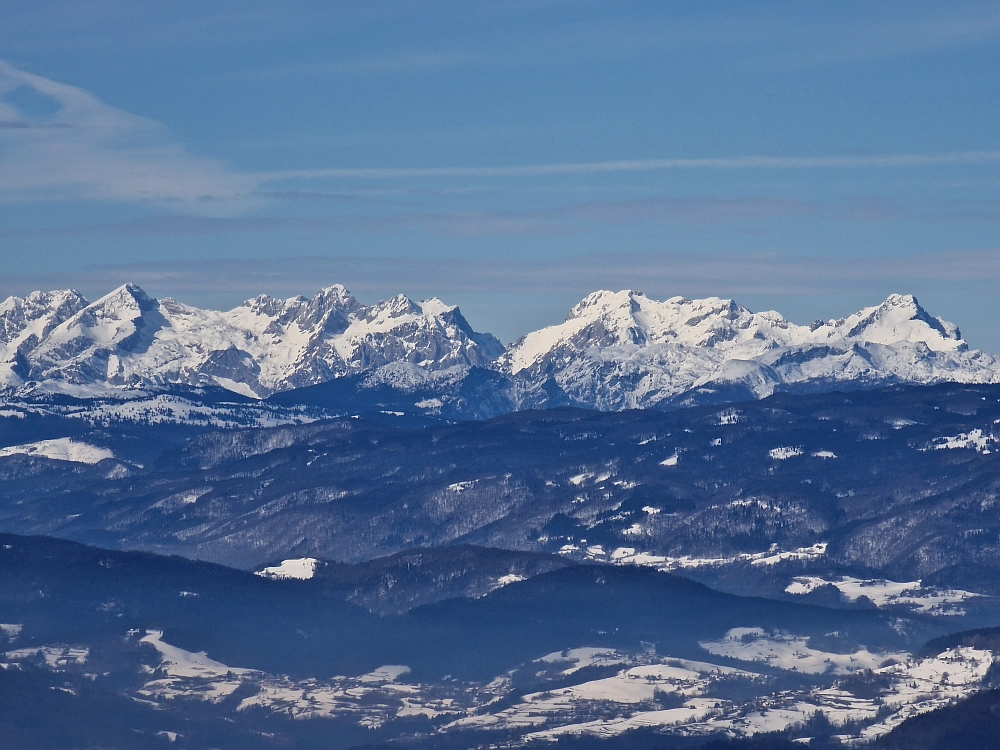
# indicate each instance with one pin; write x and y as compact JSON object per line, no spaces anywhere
{"x":509,"y":157}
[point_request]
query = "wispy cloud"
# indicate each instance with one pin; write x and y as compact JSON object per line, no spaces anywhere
{"x":562,"y":219}
{"x":696,"y":210}
{"x":565,"y":219}
{"x":893,"y":35}
{"x":952,"y":158}
{"x":182,"y":226}
{"x":771,"y":35}
{"x":90,"y":150}
{"x":416,"y":62}
{"x":881,"y":208}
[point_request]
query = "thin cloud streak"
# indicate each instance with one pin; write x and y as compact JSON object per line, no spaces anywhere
{"x":881,"y":208}
{"x":90,"y":150}
{"x":699,"y":210}
{"x":566,"y":219}
{"x":955,"y":158}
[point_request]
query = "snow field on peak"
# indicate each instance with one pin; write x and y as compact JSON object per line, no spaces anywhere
{"x":633,"y":318}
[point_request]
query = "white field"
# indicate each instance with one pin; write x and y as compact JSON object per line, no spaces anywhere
{"x":56,"y":656}
{"x":632,"y":556}
{"x":60,"y":449}
{"x":885,"y":593}
{"x":792,"y":652}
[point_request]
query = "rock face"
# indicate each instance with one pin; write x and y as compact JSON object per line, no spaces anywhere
{"x":128,"y":339}
{"x":616,"y":350}
{"x":624,"y":350}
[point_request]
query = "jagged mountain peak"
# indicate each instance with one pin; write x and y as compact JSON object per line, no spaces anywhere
{"x":435,"y":306}
{"x":37,"y":314}
{"x":335,"y":296}
{"x":900,"y":318}
{"x":394,"y":307}
{"x":338,"y":293}
{"x":42,"y":300}
{"x":128,"y":296}
{"x":112,"y":320}
{"x":602,"y":301}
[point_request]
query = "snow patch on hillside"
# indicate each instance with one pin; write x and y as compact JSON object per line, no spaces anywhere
{"x":55,"y":656}
{"x":509,"y":579}
{"x":784,"y":452}
{"x":302,"y":569}
{"x":632,"y":556}
{"x":974,"y":439}
{"x":176,"y":662}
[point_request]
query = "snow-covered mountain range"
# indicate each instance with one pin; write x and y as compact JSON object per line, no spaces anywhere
{"x":128,"y":339}
{"x":614,"y":351}
{"x":625,"y":350}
